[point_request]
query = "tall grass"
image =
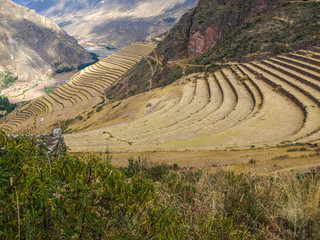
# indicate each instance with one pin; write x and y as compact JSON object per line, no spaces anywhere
{"x":81,"y":197}
{"x":226,"y":205}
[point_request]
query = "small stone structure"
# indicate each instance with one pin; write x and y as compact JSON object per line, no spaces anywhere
{"x":55,"y":143}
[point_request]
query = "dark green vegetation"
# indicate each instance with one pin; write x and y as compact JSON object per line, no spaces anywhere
{"x":7,"y":79}
{"x":169,"y":20}
{"x":195,"y":69}
{"x":65,"y":69}
{"x":84,"y":197}
{"x":60,"y":69}
{"x":76,"y":197}
{"x":80,"y":67}
{"x":6,"y":106}
{"x":48,"y":89}
{"x":110,"y":48}
{"x":242,"y":30}
{"x":94,"y":60}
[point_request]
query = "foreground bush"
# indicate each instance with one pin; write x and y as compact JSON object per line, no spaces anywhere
{"x":78,"y":197}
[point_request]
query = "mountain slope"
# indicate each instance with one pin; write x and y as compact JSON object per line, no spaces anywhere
{"x":219,"y":31}
{"x":31,"y":46}
{"x":110,"y":22}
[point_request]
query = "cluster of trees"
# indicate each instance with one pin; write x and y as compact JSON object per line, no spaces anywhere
{"x":5,"y":106}
{"x":65,"y":69}
{"x":94,"y":60}
{"x":169,"y":19}
{"x":7,"y":79}
{"x":80,"y":67}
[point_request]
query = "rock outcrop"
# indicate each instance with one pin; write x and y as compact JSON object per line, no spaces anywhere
{"x":202,"y":42}
{"x":32,"y":46}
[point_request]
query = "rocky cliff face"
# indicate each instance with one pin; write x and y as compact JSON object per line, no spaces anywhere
{"x":31,"y":46}
{"x":210,"y":22}
{"x":214,"y":20}
{"x":113,"y":22}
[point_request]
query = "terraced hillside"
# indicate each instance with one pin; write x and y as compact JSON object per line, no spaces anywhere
{"x":84,"y":91}
{"x":263,"y":103}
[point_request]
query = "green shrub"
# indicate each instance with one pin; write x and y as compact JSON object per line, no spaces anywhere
{"x":95,"y":58}
{"x":76,"y":197}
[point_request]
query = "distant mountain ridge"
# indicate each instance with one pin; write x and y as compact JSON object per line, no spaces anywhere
{"x":32,"y":46}
{"x":113,"y":22}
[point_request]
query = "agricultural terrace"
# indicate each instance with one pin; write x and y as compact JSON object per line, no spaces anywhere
{"x":259,"y":104}
{"x":82,"y":92}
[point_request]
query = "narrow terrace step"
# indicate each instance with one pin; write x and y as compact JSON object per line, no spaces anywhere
{"x":86,"y":86}
{"x":153,"y":120}
{"x":304,"y":59}
{"x":298,"y":70}
{"x":80,"y":90}
{"x":70,"y":92}
{"x":66,"y":97}
{"x":299,"y":63}
{"x":255,"y":91}
{"x":64,"y":100}
{"x":55,"y":100}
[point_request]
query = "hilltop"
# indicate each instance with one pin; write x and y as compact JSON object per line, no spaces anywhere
{"x":32,"y":46}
